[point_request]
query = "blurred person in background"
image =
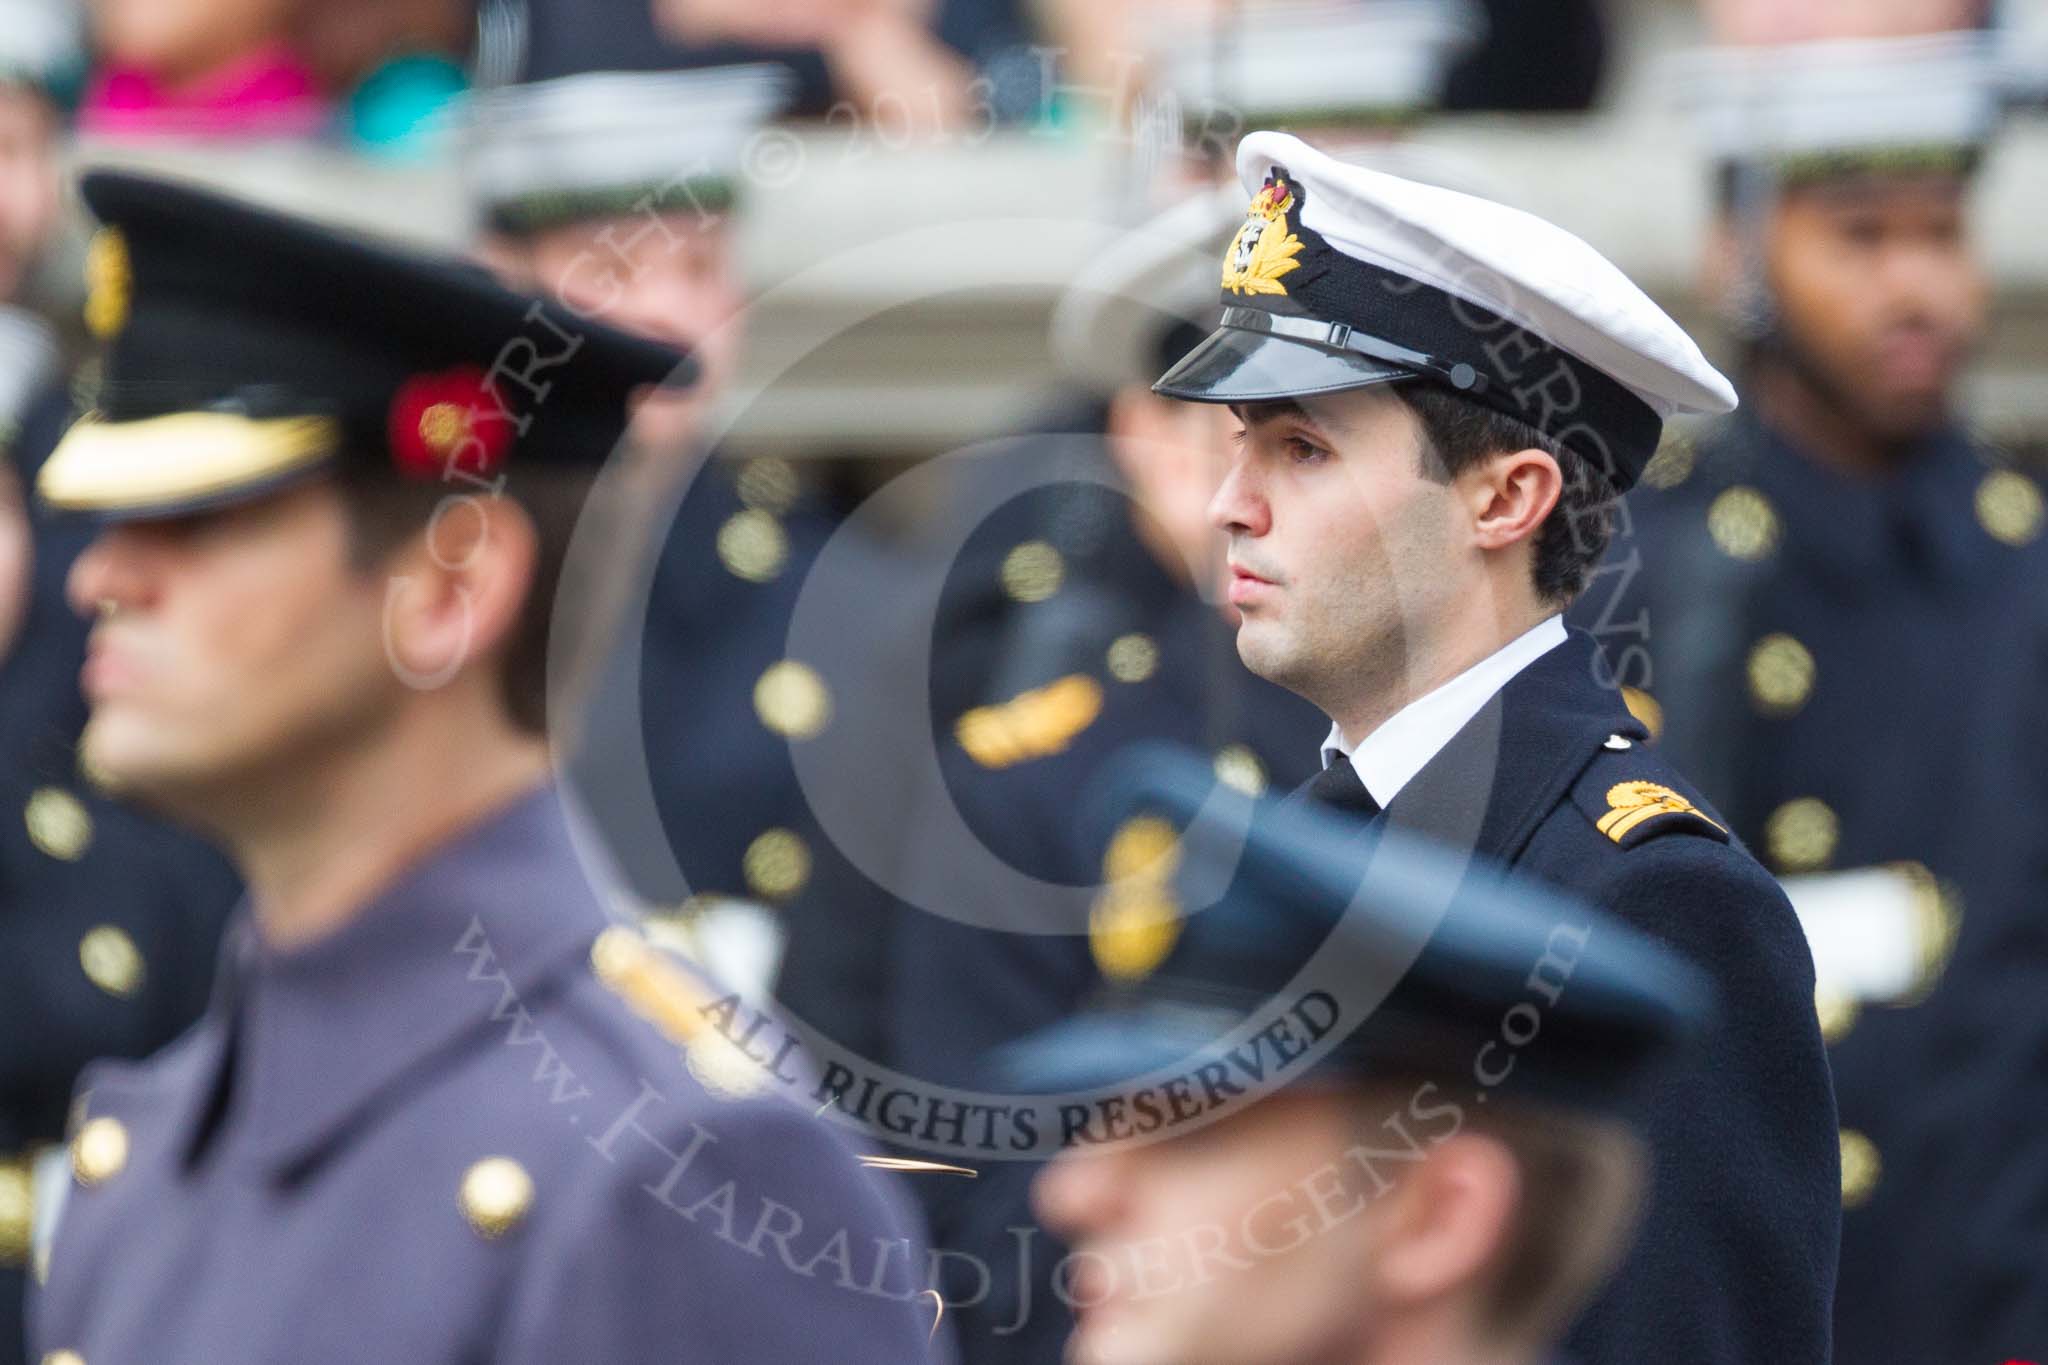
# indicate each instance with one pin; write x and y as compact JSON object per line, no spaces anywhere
{"x":896,"y":62}
{"x":1827,"y":605}
{"x":1377,"y":1201}
{"x":200,"y":66}
{"x":109,"y":922}
{"x":40,"y":57}
{"x":299,"y":649}
{"x":377,"y":71}
{"x":617,"y":192}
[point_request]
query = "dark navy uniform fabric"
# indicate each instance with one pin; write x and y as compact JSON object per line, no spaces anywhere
{"x":1735,"y":1257}
{"x":1836,"y":659}
{"x":298,"y":1179}
{"x":716,"y":619}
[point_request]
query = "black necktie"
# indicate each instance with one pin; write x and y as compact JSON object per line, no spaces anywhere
{"x":1339,"y":785}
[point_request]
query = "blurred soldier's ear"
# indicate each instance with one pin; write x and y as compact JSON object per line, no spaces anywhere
{"x":457,"y":590}
{"x":1446,"y":1224}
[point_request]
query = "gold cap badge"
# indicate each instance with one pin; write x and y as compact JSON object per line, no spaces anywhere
{"x":109,"y":283}
{"x":1263,"y":249}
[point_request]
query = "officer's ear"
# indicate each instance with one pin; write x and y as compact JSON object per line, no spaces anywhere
{"x":456,"y":591}
{"x":1446,"y":1223}
{"x":1510,"y":495}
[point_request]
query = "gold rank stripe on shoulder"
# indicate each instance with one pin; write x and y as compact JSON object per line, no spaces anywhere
{"x":1032,"y":724}
{"x":658,"y":991}
{"x":1631,"y":805}
{"x":675,"y":1003}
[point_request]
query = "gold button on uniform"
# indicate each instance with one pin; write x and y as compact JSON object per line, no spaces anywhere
{"x":1800,"y":836}
{"x":1238,"y":768}
{"x":58,"y":823}
{"x":1837,"y":1014}
{"x":1033,"y":571}
{"x":99,"y":1151}
{"x":776,"y":865}
{"x":2009,"y":506}
{"x":111,"y":960}
{"x":752,"y":545}
{"x":1743,"y":523}
{"x":1133,"y":658}
{"x":63,"y":1358}
{"x":496,"y":1193}
{"x":1781,"y":674}
{"x":768,"y":484}
{"x":1861,"y":1167}
{"x":17,"y":1213}
{"x":792,"y":700}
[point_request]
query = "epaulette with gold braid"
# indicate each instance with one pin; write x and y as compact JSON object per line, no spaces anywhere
{"x":677,"y":1004}
{"x":1631,"y":812}
{"x":1032,"y":724}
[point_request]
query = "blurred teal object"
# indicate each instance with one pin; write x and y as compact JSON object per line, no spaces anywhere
{"x":393,"y":108}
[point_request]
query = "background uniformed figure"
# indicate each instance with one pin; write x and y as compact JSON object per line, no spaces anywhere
{"x":109,"y":923}
{"x":1833,"y":600}
{"x":441,"y":1107}
{"x":1382,"y":1201}
{"x":1442,"y":397}
{"x":617,"y":192}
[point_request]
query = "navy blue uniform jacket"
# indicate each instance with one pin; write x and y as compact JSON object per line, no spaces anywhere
{"x":1734,"y":1261}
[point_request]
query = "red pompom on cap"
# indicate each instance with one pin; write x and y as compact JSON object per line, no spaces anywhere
{"x":448,"y":421}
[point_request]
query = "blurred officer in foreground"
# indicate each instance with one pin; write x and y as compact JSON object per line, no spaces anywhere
{"x":1441,"y":1176}
{"x":440,"y":1108}
{"x":1442,"y":398}
{"x":617,"y":193}
{"x":1833,"y":601}
{"x":108,"y":924}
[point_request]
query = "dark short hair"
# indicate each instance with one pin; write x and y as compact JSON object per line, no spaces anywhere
{"x":1458,"y":433}
{"x":384,"y":514}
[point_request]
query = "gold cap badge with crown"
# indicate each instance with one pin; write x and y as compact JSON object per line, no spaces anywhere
{"x":1263,"y":249}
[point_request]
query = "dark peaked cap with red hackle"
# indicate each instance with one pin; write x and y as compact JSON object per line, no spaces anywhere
{"x":247,"y":349}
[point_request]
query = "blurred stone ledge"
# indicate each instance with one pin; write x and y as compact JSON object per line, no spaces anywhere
{"x":903,"y":295}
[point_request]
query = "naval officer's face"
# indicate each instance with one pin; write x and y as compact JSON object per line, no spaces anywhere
{"x":1340,"y":545}
{"x":228,"y":643}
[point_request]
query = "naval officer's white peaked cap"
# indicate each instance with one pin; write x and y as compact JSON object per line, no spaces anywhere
{"x":1343,"y":277}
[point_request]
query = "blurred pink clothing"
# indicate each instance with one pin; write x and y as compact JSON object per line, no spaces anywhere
{"x":270,"y":93}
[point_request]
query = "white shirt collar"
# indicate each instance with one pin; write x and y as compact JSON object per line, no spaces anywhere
{"x":1391,"y":755}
